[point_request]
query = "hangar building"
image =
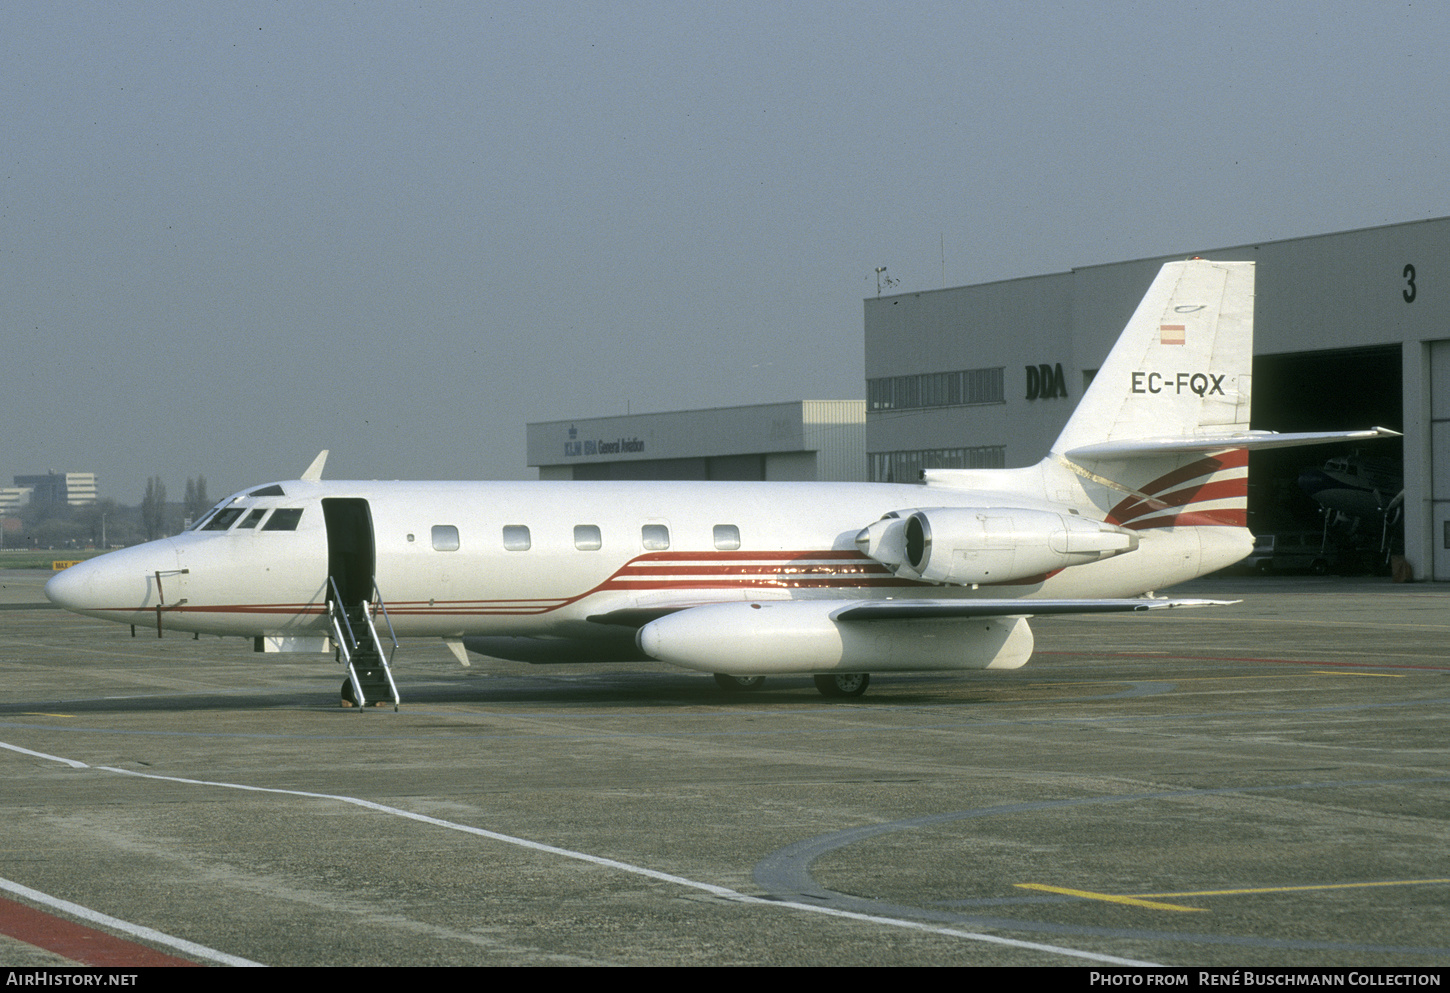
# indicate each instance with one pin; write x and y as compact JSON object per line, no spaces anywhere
{"x":802,"y":440}
{"x":1352,"y":330}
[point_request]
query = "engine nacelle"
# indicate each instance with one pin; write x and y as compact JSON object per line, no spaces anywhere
{"x":800,"y":636}
{"x":885,"y":541}
{"x":966,"y":545}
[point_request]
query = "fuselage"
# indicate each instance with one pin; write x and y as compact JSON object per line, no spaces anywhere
{"x":455,"y":559}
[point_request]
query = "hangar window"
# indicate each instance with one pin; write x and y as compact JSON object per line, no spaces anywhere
{"x":727,"y":537}
{"x":962,"y":388}
{"x":252,"y":519}
{"x":656,"y":537}
{"x":587,"y":537}
{"x":445,"y":538}
{"x":284,"y":519}
{"x":516,"y":538}
{"x":224,"y":520}
{"x":906,"y":467}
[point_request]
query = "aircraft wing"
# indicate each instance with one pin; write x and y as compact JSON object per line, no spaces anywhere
{"x":900,"y":610}
{"x":906,"y":609}
{"x":776,"y":637}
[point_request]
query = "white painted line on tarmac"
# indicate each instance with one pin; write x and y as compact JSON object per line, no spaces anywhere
{"x":723,"y":892}
{"x":42,"y":755}
{"x":116,"y":924}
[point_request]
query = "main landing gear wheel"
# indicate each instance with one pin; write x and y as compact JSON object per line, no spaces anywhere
{"x":738,"y":684}
{"x":843,"y":683}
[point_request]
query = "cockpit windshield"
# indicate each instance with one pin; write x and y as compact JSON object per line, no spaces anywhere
{"x":224,"y":519}
{"x":205,"y":519}
{"x":225,"y":514}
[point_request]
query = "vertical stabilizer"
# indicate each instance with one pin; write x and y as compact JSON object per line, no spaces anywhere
{"x":1152,"y":440}
{"x":1182,"y":366}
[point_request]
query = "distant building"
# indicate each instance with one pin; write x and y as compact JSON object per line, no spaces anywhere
{"x":54,"y":489}
{"x":800,"y":440}
{"x":12,"y":498}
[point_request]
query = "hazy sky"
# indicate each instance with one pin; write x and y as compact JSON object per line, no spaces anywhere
{"x":233,"y":234}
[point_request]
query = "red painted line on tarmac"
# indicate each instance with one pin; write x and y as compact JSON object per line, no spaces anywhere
{"x":77,"y":942}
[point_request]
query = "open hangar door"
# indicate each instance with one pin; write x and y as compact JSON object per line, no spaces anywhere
{"x":1338,"y":390}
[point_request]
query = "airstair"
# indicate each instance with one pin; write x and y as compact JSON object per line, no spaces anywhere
{"x":359,"y":646}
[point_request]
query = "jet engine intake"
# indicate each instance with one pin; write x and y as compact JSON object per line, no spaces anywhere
{"x":966,"y":545}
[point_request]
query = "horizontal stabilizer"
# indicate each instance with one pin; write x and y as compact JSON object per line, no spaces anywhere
{"x":902,"y":610}
{"x":1252,"y":440}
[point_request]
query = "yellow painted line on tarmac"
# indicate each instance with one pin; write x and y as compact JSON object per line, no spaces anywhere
{"x":1153,"y":901}
{"x":1108,"y":898}
{"x":1381,"y":675}
{"x":1300,"y":889}
{"x":37,"y":713}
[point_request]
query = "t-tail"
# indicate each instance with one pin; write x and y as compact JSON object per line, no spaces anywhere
{"x":1161,"y":437}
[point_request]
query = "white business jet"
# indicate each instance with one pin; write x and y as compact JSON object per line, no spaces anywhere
{"x":1146,"y":487}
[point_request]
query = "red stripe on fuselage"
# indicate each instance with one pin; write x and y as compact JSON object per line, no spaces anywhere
{"x":1222,"y":489}
{"x":1236,"y":459}
{"x":651,"y":572}
{"x":760,"y":571}
{"x":723,"y":556}
{"x":762,"y":582}
{"x":1227,"y":517}
{"x":1132,"y":512}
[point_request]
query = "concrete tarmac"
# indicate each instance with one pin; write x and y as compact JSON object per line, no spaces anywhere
{"x":1261,"y":784}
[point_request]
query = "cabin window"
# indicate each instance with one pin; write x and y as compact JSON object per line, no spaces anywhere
{"x":727,"y":537}
{"x":273,"y":490}
{"x":445,"y":538}
{"x":656,"y":537}
{"x":224,"y":520}
{"x":516,"y":538}
{"x":253,"y":519}
{"x":587,"y":537}
{"x":284,"y":519}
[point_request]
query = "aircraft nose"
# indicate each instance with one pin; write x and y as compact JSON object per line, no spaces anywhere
{"x":112,"y":585}
{"x":71,"y":588}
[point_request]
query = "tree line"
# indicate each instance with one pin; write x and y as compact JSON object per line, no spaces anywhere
{"x":107,"y":523}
